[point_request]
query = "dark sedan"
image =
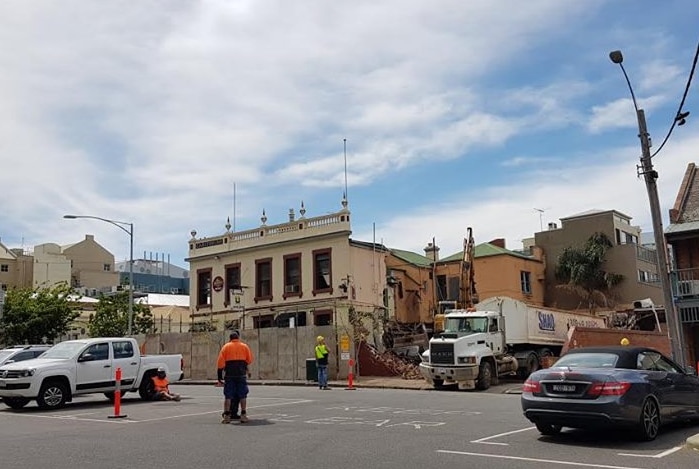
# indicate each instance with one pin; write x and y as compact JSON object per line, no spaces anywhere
{"x":634,"y":387}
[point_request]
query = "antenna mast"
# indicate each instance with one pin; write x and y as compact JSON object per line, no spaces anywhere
{"x":344,"y":142}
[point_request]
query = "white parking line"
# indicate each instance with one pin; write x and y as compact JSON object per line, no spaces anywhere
{"x":486,"y":442}
{"x":74,"y":417}
{"x":549,"y":461}
{"x":656,"y":456}
{"x":299,"y":401}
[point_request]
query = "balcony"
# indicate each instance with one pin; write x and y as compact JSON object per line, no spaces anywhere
{"x":685,"y":284}
{"x":647,"y":255}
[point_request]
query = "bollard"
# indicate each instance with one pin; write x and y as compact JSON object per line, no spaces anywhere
{"x":117,"y":396}
{"x":350,"y":376}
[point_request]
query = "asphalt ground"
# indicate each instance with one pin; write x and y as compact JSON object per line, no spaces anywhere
{"x":302,"y":427}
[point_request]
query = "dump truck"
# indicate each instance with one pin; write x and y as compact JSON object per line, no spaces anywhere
{"x":498,"y":336}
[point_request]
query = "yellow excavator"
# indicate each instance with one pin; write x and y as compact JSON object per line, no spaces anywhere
{"x":467,"y":283}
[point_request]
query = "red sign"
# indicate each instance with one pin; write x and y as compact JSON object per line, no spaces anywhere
{"x":218,"y":283}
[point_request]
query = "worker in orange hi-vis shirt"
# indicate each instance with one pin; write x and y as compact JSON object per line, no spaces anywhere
{"x":232,"y":372}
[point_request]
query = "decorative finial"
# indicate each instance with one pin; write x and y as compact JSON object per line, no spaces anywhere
{"x":303,"y":210}
{"x":228,"y":224}
{"x":344,"y":200}
{"x":264,"y":217}
{"x":193,"y":233}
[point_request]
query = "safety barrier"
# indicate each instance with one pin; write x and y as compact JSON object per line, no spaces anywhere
{"x":117,"y":397}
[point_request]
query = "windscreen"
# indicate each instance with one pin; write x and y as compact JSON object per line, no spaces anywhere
{"x":465,"y":325}
{"x":587,"y":360}
{"x":63,"y":350}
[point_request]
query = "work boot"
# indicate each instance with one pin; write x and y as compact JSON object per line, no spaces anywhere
{"x":226,"y":417}
{"x":243,"y":418}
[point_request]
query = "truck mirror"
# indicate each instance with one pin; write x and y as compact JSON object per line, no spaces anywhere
{"x":86,"y":357}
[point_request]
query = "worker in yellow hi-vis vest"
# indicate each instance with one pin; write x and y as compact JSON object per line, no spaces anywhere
{"x":322,"y":362}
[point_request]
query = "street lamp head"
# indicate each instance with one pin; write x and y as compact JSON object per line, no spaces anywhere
{"x":70,"y":217}
{"x":616,"y":56}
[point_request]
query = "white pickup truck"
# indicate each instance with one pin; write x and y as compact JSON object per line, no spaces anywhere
{"x":83,"y":367}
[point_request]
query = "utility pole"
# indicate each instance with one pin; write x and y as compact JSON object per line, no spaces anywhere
{"x":651,"y":176}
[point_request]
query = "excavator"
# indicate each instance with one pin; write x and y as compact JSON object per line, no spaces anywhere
{"x":467,"y":283}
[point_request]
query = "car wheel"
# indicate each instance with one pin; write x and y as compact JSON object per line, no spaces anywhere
{"x":649,"y":426}
{"x":15,"y":402}
{"x":548,"y":429}
{"x":438,"y":383}
{"x":146,"y":389}
{"x":52,"y":395}
{"x":485,"y":376}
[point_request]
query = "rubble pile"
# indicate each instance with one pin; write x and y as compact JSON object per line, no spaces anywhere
{"x":405,"y":367}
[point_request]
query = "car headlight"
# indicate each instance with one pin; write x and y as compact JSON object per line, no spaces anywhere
{"x":467,"y":360}
{"x":27,"y":373}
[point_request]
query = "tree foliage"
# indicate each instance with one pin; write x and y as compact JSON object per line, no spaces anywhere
{"x":37,"y":315}
{"x":582,"y":270}
{"x":111,"y":318}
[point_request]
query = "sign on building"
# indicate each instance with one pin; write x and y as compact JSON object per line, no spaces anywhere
{"x":237,"y":300}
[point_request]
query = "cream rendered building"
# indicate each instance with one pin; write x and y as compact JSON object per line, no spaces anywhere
{"x":51,"y":266}
{"x":306,"y":271}
{"x":15,"y":268}
{"x":92,"y":266}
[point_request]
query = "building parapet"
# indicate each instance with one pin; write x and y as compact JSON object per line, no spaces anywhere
{"x":294,"y":229}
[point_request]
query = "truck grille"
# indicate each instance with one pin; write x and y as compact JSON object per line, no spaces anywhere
{"x":442,"y":354}
{"x":9,"y":374}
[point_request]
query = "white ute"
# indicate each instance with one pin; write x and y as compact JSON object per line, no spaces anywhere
{"x":84,"y":366}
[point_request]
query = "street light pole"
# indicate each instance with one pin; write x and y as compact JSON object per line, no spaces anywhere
{"x":121,"y":225}
{"x":650,"y":176}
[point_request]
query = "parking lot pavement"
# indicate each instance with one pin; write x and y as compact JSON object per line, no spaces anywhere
{"x":300,"y":427}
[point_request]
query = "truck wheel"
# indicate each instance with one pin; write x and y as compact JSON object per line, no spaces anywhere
{"x":146,"y":389}
{"x":547,"y":429}
{"x":438,"y":383}
{"x":15,"y":402}
{"x":52,"y":395}
{"x":485,"y":376}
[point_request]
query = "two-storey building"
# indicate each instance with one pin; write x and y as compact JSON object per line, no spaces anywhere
{"x":683,"y":235}
{"x":304,"y":272}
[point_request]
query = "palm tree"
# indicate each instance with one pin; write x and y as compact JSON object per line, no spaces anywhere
{"x":582,"y":271}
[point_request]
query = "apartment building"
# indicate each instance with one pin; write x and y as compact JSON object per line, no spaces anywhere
{"x":155,"y":276}
{"x":306,"y":271}
{"x":683,"y":235}
{"x":637,"y":263}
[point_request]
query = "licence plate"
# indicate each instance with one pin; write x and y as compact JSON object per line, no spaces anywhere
{"x":564,"y":387}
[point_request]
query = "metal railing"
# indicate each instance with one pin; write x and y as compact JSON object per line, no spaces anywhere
{"x":685,"y":283}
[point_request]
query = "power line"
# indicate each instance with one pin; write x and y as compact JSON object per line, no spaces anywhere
{"x":680,"y":116}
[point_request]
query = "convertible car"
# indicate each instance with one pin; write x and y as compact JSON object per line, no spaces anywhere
{"x":634,"y":387}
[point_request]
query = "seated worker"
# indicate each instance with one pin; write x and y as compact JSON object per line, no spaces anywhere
{"x":161,"y":387}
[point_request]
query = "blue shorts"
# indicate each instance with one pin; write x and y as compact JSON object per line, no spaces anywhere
{"x":235,"y":388}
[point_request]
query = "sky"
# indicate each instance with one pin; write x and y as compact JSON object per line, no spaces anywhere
{"x":456,"y":114}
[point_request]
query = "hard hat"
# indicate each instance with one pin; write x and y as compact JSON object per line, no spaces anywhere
{"x":161,"y":369}
{"x":320,"y":338}
{"x":625,"y":341}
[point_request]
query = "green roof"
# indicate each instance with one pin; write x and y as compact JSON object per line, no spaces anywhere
{"x":412,"y":257}
{"x":485,"y":250}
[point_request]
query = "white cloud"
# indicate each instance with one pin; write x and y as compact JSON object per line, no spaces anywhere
{"x":507,"y":211}
{"x":620,"y":113}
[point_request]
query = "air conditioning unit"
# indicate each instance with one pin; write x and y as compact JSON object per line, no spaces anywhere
{"x":291,"y":289}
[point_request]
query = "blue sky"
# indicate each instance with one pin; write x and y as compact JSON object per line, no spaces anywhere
{"x":456,"y":114}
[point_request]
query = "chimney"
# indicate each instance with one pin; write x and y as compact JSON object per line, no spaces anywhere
{"x":292,"y":217}
{"x":89,"y":237}
{"x":499,"y":242}
{"x":553,"y":226}
{"x":432,"y":252}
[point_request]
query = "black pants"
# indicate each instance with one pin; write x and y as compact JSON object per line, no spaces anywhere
{"x":235,"y":403}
